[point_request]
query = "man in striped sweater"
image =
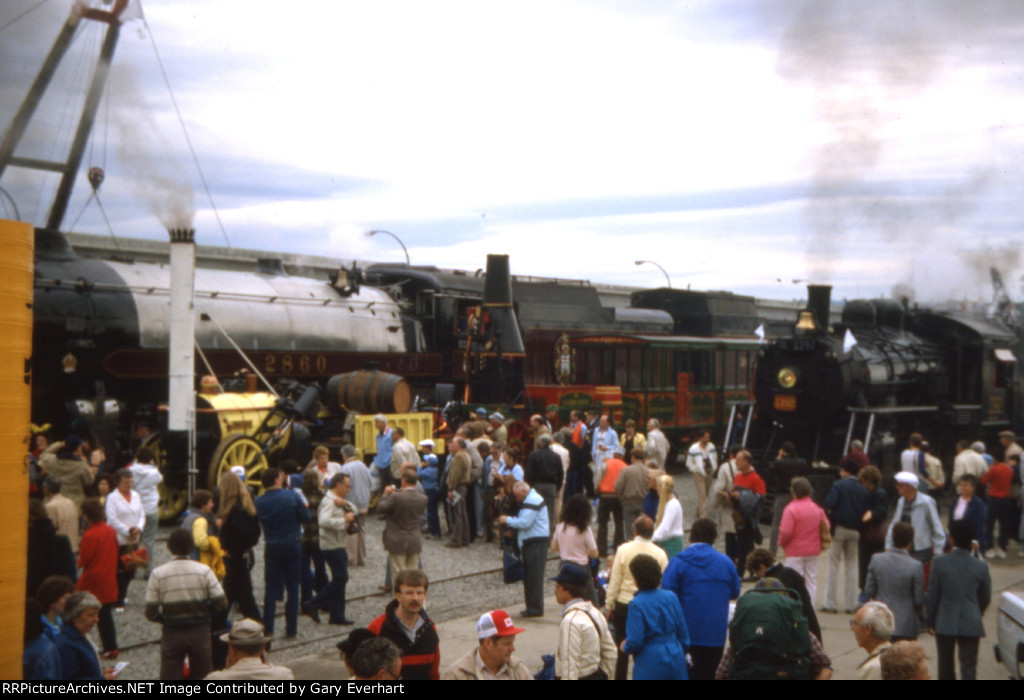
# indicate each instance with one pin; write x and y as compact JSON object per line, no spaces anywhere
{"x":180,"y":596}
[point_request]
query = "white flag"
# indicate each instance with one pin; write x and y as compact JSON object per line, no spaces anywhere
{"x":848,"y":341}
{"x":760,"y":332}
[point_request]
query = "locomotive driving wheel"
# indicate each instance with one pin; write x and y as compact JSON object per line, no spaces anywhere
{"x":243,"y":450}
{"x":173,"y":497}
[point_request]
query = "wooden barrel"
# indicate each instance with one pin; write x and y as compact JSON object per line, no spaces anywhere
{"x":370,"y":391}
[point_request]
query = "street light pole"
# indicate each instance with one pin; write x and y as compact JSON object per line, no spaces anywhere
{"x":375,"y":231}
{"x":651,"y":262}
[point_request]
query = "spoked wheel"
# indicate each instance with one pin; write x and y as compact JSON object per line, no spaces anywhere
{"x":243,"y":450}
{"x":519,"y":434}
{"x":173,"y":497}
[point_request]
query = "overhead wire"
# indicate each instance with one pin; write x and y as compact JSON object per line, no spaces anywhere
{"x":24,"y":14}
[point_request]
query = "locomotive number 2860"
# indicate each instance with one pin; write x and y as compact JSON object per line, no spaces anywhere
{"x":277,"y":363}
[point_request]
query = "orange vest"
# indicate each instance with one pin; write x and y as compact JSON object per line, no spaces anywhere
{"x":612,"y":467}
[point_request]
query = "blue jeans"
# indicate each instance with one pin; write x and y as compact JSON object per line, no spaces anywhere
{"x":433,"y":520}
{"x":314,"y":572}
{"x":281,"y":573}
{"x":332,"y":596}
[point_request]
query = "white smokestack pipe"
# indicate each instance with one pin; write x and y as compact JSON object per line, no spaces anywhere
{"x":182,"y":353}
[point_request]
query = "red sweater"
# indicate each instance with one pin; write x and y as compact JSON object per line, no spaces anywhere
{"x":751,"y":480}
{"x":97,"y":557}
{"x":998,"y":478}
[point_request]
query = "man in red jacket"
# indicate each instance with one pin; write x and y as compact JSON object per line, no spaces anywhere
{"x":406,"y":624}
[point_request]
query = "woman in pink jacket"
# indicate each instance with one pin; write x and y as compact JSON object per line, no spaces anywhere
{"x":800,"y":533}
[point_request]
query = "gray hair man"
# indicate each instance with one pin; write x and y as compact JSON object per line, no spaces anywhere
{"x":872,"y":627}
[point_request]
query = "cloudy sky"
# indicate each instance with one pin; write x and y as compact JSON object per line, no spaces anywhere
{"x":740,"y":144}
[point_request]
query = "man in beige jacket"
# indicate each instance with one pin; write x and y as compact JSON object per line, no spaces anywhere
{"x":492,"y":660}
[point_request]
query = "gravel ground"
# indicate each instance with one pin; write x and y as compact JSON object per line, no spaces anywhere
{"x":454,"y":593}
{"x":447,"y":599}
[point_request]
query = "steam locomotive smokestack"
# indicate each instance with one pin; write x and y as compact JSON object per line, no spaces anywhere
{"x":498,"y":301}
{"x":819,"y":300}
{"x":182,"y":353}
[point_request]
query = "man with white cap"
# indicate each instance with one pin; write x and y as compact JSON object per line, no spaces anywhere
{"x":919,"y":510}
{"x":247,"y":656}
{"x":492,"y":660}
{"x":497,"y":430}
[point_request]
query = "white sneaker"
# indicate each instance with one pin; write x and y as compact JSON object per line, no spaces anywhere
{"x":990,"y":554}
{"x":1000,"y":553}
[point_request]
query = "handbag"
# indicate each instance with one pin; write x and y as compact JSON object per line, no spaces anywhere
{"x":132,"y":558}
{"x":825,"y":533}
{"x":512,"y":570}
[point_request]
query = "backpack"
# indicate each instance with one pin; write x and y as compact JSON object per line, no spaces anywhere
{"x":769,"y":637}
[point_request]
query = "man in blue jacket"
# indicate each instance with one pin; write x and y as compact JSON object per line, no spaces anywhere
{"x":281,"y":512}
{"x":704,"y":580}
{"x":531,"y":524}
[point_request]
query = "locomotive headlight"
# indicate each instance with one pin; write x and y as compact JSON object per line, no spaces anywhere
{"x":787,"y":378}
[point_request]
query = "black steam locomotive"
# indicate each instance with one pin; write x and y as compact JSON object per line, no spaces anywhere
{"x":883,"y":371}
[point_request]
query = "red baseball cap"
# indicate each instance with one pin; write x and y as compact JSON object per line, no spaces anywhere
{"x":496,"y":623}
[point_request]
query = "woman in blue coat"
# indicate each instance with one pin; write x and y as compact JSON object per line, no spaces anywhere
{"x":969,"y":507}
{"x":655,"y":629}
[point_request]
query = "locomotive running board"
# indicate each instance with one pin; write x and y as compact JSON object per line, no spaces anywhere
{"x":886,"y":410}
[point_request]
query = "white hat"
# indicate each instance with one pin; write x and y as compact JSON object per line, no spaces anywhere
{"x":907,"y":478}
{"x":239,"y":471}
{"x":427,"y":443}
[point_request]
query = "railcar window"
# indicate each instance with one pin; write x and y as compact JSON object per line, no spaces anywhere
{"x":718,"y":357}
{"x":589,"y":365}
{"x":636,"y":368}
{"x":661,"y":369}
{"x":702,"y":365}
{"x":1004,"y":374}
{"x":731,"y":361}
{"x":743,"y":373}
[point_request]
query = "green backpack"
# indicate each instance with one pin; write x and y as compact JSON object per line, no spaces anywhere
{"x":769,"y":637}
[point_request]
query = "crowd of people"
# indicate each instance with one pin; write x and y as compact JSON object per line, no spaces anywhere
{"x":664,"y":595}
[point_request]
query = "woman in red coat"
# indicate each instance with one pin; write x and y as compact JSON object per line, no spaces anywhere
{"x":97,"y":557}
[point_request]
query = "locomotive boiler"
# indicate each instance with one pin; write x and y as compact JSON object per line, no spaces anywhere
{"x":885,"y":368}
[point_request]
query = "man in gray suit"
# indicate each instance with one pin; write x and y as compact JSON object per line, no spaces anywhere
{"x":897,"y":579}
{"x":959,"y":590}
{"x":402,"y":538}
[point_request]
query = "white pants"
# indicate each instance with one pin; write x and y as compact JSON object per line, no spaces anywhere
{"x":808,"y":568}
{"x":844,"y":547}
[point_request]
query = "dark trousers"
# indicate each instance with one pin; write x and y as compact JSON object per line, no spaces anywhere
{"x":108,"y":632}
{"x":999,"y":510}
{"x":314,"y":572}
{"x":705,"y":662}
{"x":124,"y":577}
{"x":460,"y":518}
{"x":433,"y":519}
{"x":945,"y":644}
{"x":781,"y":501}
{"x":489,"y":495}
{"x":238,"y":587}
{"x":608,"y":506}
{"x":471,"y":509}
{"x":332,"y":596}
{"x":732,"y":550}
{"x":746,"y":536}
{"x":281,"y":575}
{"x":535,"y":555}
{"x":619,"y":615}
{"x":175,"y":644}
